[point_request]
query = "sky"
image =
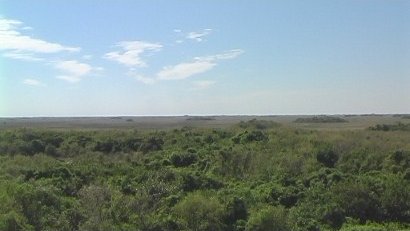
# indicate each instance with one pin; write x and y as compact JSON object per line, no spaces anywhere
{"x":215,"y":57}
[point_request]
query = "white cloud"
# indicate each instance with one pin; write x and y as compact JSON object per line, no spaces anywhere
{"x":198,"y":66}
{"x":185,"y":70}
{"x":33,"y":82}
{"x":22,"y":56}
{"x":198,"y":36}
{"x":177,"y":30}
{"x":131,"y":52}
{"x":188,"y":69}
{"x":8,"y":24}
{"x":202,"y":84}
{"x":226,"y":55}
{"x":74,"y":67}
{"x":13,"y":40}
{"x":74,"y":70}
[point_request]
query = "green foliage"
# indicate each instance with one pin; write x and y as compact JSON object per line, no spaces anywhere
{"x":252,"y":136}
{"x":354,"y":226}
{"x":327,"y":157}
{"x":236,"y":214}
{"x":254,"y":176}
{"x":391,"y":127}
{"x":258,"y":124}
{"x":395,"y":199}
{"x":269,"y":219}
{"x":321,"y":119}
{"x":358,"y":200}
{"x":183,"y":159}
{"x":198,"y":211}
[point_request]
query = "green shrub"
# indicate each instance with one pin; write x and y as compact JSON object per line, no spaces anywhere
{"x":269,"y":219}
{"x":200,"y":212}
{"x":183,"y":159}
{"x":327,"y":157}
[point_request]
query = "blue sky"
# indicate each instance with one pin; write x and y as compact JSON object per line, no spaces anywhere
{"x":177,"y":57}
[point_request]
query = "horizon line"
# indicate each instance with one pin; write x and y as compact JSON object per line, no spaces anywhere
{"x":198,"y":115}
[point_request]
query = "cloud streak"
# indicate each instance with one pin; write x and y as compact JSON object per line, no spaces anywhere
{"x":131,"y":52}
{"x":231,"y":54}
{"x":13,"y":40}
{"x":22,"y":56}
{"x":33,"y":82}
{"x":186,"y":70}
{"x":199,"y":65}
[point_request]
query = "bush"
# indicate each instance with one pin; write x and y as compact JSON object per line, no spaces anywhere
{"x":391,"y":127}
{"x":395,"y":199}
{"x":258,"y":124}
{"x":268,"y":219}
{"x":184,"y":159}
{"x":327,"y":157}
{"x":199,"y":211}
{"x":152,"y":144}
{"x":247,"y":137}
{"x":40,"y":206}
{"x":359,"y":200}
{"x":236,"y":210}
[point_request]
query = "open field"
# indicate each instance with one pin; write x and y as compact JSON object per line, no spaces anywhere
{"x":171,"y":122}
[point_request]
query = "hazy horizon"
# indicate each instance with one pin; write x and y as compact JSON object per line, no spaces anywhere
{"x":175,"y":58}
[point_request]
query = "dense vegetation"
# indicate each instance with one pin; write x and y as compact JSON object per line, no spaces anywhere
{"x":403,"y":116}
{"x":257,"y":175}
{"x":391,"y":127}
{"x":194,"y":118}
{"x":321,"y":119}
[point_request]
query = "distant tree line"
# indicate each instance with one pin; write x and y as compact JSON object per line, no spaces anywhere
{"x":321,"y":119}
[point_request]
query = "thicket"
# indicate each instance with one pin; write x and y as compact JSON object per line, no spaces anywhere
{"x":254,"y":176}
{"x":321,"y":119}
{"x":391,"y":127}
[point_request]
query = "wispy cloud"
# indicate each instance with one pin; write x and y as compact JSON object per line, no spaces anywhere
{"x":22,"y":56}
{"x":13,"y":40}
{"x":198,"y":36}
{"x":199,"y":65}
{"x":131,"y":52}
{"x":202,"y":84}
{"x":70,"y":78}
{"x":27,"y":28}
{"x":74,"y":67}
{"x":185,"y":70}
{"x":231,"y":54}
{"x":73,"y":70}
{"x":33,"y":82}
